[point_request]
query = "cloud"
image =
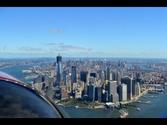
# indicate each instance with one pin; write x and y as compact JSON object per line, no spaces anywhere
{"x":71,"y":47}
{"x":56,"y":30}
{"x":59,"y":46}
{"x":30,"y":49}
{"x":54,"y":43}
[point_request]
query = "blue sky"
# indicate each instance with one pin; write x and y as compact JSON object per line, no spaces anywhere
{"x":84,"y":32}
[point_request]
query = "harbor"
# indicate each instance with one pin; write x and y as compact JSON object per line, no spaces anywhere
{"x":143,"y":107}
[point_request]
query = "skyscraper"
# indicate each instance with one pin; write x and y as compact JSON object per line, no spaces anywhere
{"x":114,"y":75}
{"x":128,"y":81}
{"x":109,"y":74}
{"x":112,"y":91}
{"x":59,"y":70}
{"x":64,"y":94}
{"x":73,"y":74}
{"x":65,"y":77}
{"x":91,"y":92}
{"x":59,"y":78}
{"x":118,"y":77}
{"x":136,"y":89}
{"x":122,"y":90}
{"x":102,"y":76}
{"x":84,"y":76}
{"x":98,"y":94}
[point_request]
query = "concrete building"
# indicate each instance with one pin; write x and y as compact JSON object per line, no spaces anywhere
{"x":122,"y":91}
{"x":138,"y":90}
{"x":128,"y":81}
{"x":112,"y":91}
{"x":64,"y":93}
{"x":102,"y":76}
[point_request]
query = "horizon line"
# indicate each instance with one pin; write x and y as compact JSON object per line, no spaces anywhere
{"x":85,"y":57}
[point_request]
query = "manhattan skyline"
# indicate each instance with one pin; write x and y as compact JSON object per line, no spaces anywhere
{"x":83,"y":32}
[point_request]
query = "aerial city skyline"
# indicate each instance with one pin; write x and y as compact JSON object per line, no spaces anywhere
{"x":83,"y":32}
{"x":115,"y":87}
{"x":100,"y":83}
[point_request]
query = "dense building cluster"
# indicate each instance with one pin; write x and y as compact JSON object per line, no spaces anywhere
{"x":95,"y":80}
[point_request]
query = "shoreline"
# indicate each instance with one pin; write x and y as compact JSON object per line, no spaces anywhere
{"x":134,"y":99}
{"x":102,"y":105}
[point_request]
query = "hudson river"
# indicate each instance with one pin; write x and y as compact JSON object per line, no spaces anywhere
{"x":150,"y":105}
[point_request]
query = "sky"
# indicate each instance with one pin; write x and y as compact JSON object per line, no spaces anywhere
{"x":83,"y":32}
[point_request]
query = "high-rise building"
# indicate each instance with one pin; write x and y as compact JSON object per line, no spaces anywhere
{"x":84,"y":76}
{"x":65,"y":77}
{"x":128,"y":81}
{"x":73,"y":74}
{"x":98,"y":94}
{"x":108,"y":74}
{"x":64,"y":94}
{"x":59,"y":70}
{"x":118,"y":79}
{"x":57,"y":94}
{"x":91,"y":92}
{"x":136,"y":89}
{"x":102,"y":76}
{"x":93,"y":74}
{"x":114,"y":76}
{"x":112,"y":91}
{"x":122,"y":91}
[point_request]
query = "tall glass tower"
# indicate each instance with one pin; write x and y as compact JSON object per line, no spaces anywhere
{"x":74,"y":74}
{"x":59,"y":70}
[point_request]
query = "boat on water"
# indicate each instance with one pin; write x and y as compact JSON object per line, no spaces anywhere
{"x":76,"y":106}
{"x":148,"y":102}
{"x":26,"y":71}
{"x":31,"y":77}
{"x":123,"y":114}
{"x":139,"y":101}
{"x":138,"y":109}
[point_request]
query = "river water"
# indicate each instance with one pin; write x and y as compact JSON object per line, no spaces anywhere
{"x":155,"y":108}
